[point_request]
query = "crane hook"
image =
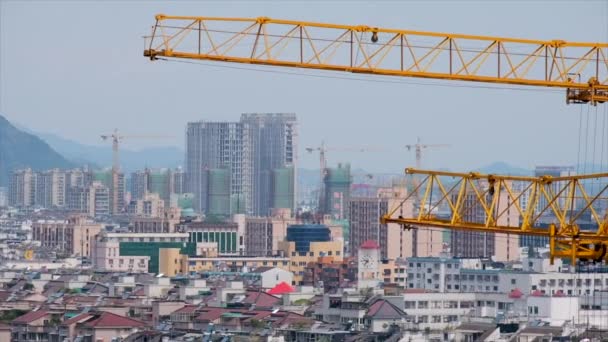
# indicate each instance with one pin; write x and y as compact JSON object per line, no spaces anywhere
{"x":374,"y":37}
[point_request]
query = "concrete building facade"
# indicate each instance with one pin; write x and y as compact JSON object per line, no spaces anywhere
{"x":500,"y":247}
{"x":271,"y":144}
{"x":223,"y":234}
{"x":166,"y":223}
{"x":263,"y":234}
{"x":129,"y":251}
{"x":248,"y":156}
{"x":213,"y":145}
{"x":74,"y":236}
{"x":22,"y":188}
{"x":150,"y":205}
{"x":394,"y":241}
{"x":305,"y":244}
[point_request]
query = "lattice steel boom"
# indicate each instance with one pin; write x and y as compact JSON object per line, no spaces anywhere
{"x":580,"y":68}
{"x":484,"y":203}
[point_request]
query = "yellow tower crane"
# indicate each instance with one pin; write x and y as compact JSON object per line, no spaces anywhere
{"x":580,"y":68}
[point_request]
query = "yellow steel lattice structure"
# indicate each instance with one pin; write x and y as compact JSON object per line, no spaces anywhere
{"x":580,"y":68}
{"x":484,"y":203}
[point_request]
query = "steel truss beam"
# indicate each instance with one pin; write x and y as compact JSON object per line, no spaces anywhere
{"x":580,"y":68}
{"x":483,"y":203}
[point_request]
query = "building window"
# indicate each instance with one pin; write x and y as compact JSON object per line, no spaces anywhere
{"x":329,"y":253}
{"x":513,"y":281}
{"x":410,"y":304}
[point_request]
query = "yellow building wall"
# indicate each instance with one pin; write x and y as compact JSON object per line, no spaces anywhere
{"x":169,"y":261}
{"x":208,"y":264}
{"x":298,"y":261}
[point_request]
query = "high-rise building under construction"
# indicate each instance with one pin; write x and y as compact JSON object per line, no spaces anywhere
{"x":242,"y":167}
{"x":269,"y":144}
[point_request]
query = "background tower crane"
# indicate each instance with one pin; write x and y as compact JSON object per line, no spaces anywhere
{"x":117,"y":138}
{"x":323,"y":149}
{"x":418,"y":147}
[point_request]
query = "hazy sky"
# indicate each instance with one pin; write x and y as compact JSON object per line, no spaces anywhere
{"x":75,"y":69}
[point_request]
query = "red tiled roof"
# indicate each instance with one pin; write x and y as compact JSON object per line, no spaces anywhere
{"x":107,"y":319}
{"x":385,"y":310}
{"x":4,"y":295}
{"x":186,"y":309}
{"x":209,"y":314}
{"x":77,"y":319}
{"x":370,"y":244}
{"x":261,"y":299}
{"x":31,"y":316}
{"x":281,"y":288}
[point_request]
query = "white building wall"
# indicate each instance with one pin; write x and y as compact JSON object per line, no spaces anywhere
{"x":275,"y":276}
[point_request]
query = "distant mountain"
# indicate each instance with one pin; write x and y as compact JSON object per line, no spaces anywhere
{"x":101,"y":156}
{"x":501,"y":168}
{"x":19,"y":149}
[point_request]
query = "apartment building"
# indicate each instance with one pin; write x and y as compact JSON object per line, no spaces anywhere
{"x":447,"y":274}
{"x":395,"y":242}
{"x":263,"y":234}
{"x":305,"y":243}
{"x":74,"y":236}
{"x":232,"y":263}
{"x":22,"y":188}
{"x":136,"y":252}
{"x":248,"y":166}
{"x":224,"y":234}
{"x":500,"y":247}
{"x":168,"y":222}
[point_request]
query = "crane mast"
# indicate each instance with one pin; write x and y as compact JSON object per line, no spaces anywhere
{"x":581,"y":68}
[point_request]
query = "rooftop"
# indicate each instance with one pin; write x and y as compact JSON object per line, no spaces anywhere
{"x":30,"y":317}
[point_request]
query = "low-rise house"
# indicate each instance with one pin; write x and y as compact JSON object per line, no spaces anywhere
{"x":33,"y":326}
{"x":183,"y":318}
{"x":270,"y":277}
{"x":5,"y":332}
{"x":478,"y":332}
{"x":100,"y":326}
{"x":245,"y":321}
{"x":540,"y":334}
{"x":382,"y":314}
